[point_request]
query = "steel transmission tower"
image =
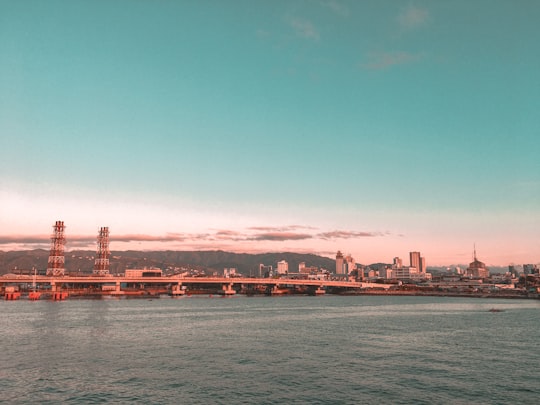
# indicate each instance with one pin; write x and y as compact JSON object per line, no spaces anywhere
{"x":101,"y":264}
{"x":55,"y":265}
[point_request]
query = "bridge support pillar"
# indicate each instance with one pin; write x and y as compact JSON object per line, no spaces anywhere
{"x":228,"y":289}
{"x":177,"y":290}
{"x":53,"y":286}
{"x":320,"y":291}
{"x":59,"y":296}
{"x":117,"y":288}
{"x":277,"y":290}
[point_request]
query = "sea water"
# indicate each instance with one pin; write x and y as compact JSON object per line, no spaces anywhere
{"x":268,"y":350}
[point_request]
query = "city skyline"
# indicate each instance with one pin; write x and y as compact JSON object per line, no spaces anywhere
{"x":373,"y":128}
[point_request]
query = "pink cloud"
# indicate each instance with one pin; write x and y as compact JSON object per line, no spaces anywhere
{"x":280,"y":228}
{"x":233,"y":239}
{"x":280,"y":236}
{"x":348,"y":235}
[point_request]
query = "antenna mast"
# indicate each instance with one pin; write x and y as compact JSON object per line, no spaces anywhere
{"x":55,"y":265}
{"x":101,"y":264}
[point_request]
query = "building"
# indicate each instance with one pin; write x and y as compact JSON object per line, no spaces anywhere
{"x":416,"y":271}
{"x":303,"y":269}
{"x":265,"y":271}
{"x":350,"y":264}
{"x":137,"y":273}
{"x":229,"y":272}
{"x":477,"y":269}
{"x":417,"y":261}
{"x":409,"y":273}
{"x":339,"y":263}
{"x":530,"y":269}
{"x":282,"y":267}
{"x":386,"y":272}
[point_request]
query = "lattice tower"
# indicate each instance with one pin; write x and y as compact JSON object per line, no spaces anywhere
{"x":101,"y":264}
{"x":55,"y":266}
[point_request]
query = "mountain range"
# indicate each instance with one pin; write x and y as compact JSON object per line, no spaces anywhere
{"x":205,"y":261}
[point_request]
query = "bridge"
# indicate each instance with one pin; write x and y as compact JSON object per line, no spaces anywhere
{"x":62,"y":287}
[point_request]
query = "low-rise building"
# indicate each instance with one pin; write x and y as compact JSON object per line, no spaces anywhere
{"x":137,"y":273}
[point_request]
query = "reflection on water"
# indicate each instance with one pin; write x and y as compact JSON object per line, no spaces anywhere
{"x":265,"y":350}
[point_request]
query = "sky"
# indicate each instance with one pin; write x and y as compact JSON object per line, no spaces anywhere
{"x":372,"y":127}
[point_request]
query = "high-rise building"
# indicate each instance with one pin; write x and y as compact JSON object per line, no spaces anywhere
{"x":418,"y":262}
{"x":301,"y":267}
{"x":282,"y":267}
{"x":339,"y":263}
{"x":350,"y":264}
{"x":398,"y":263}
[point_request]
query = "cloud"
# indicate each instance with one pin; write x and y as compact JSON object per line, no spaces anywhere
{"x":85,"y":240}
{"x":304,"y":28}
{"x":413,"y":17}
{"x":281,"y":228}
{"x":170,"y":237}
{"x":384,"y":60}
{"x":337,"y":7}
{"x":348,"y":235}
{"x":233,"y":239}
{"x":30,"y":239}
{"x":280,"y":236}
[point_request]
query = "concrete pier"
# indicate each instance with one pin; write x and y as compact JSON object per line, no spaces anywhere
{"x":228,"y":289}
{"x":177,"y":290}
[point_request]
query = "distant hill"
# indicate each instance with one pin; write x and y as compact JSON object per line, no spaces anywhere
{"x":209,"y":261}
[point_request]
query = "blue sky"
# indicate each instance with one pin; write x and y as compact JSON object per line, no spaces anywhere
{"x":374,"y":127}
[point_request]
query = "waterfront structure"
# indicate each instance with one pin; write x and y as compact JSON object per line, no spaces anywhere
{"x":56,"y":263}
{"x":477,"y":269}
{"x":339,"y":263}
{"x":283,"y":267}
{"x":101,"y":263}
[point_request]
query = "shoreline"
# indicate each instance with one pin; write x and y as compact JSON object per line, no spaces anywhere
{"x":208,"y":294}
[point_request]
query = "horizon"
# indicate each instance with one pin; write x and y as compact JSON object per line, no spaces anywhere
{"x":387,"y":262}
{"x":373,"y":128}
{"x":327,"y":256}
